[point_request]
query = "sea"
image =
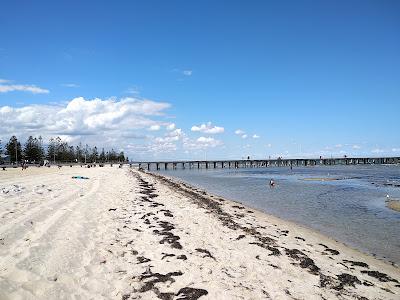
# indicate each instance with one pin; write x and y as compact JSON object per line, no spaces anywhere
{"x":346,"y":203}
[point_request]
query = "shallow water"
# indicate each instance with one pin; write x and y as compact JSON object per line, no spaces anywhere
{"x":350,"y":208}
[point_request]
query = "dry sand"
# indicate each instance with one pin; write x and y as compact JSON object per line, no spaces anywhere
{"x":125,"y":234}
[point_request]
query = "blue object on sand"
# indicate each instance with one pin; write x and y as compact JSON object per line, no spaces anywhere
{"x":80,"y":177}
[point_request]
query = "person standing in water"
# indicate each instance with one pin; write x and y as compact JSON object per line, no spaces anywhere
{"x":271,"y":183}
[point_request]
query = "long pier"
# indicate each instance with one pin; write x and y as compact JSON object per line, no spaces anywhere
{"x":263,"y":163}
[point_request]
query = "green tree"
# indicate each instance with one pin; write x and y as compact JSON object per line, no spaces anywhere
{"x":94,"y":156}
{"x":1,"y":152}
{"x":71,"y":154}
{"x":102,"y":156}
{"x":112,"y":156}
{"x":86,"y":153}
{"x":79,"y":152}
{"x":51,"y":150}
{"x":121,"y":156}
{"x":30,"y":149}
{"x":41,"y":151}
{"x":14,"y":149}
{"x":33,"y":150}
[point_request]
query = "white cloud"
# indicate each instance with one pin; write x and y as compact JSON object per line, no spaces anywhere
{"x":356,"y":147}
{"x":97,"y":121}
{"x":70,"y":85}
{"x":5,"y":88}
{"x":244,"y":136}
{"x":176,"y":132}
{"x":239,"y":132}
{"x":170,"y":126}
{"x":339,"y":146}
{"x":4,"y":81}
{"x":203,"y":139}
{"x":269,"y":145}
{"x":395,"y":149}
{"x":377,"y":150}
{"x":154,"y":127}
{"x":208,"y":128}
{"x":153,"y":149}
{"x":187,"y":72}
{"x":201,"y":143}
{"x":172,"y":136}
{"x":255,"y":136}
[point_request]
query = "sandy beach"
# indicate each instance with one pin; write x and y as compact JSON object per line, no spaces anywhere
{"x":125,"y":234}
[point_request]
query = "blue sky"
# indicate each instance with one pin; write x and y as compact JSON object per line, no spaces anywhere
{"x":307,"y":78}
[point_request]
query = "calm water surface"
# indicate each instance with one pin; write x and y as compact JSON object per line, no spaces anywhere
{"x":351,"y":210}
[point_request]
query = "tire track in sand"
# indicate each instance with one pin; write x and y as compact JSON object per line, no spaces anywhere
{"x":21,"y":247}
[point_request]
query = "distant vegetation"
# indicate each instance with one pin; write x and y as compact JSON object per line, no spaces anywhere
{"x":34,"y":150}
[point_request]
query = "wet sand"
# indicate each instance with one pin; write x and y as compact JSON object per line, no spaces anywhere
{"x":125,"y":234}
{"x":393,"y":204}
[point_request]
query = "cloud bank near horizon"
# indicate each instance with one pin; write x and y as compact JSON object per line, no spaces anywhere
{"x":132,"y":124}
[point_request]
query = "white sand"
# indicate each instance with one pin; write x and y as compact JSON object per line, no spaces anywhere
{"x":114,"y":237}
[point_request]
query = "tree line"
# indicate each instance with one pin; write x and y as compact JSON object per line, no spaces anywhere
{"x":57,"y":151}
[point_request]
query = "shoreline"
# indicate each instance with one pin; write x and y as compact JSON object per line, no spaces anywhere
{"x":125,"y":234}
{"x":392,"y":204}
{"x":178,"y":181}
{"x":360,"y":258}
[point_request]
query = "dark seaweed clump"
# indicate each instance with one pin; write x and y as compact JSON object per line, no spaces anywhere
{"x":188,"y":293}
{"x":339,"y":282}
{"x":356,"y":263}
{"x":206,"y":252}
{"x":305,"y":261}
{"x":347,"y":279}
{"x":331,"y":251}
{"x":157,"y":278}
{"x":168,"y":236}
{"x":380,"y":276}
{"x":151,"y":279}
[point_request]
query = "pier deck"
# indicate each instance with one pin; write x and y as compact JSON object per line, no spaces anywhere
{"x":260,"y":163}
